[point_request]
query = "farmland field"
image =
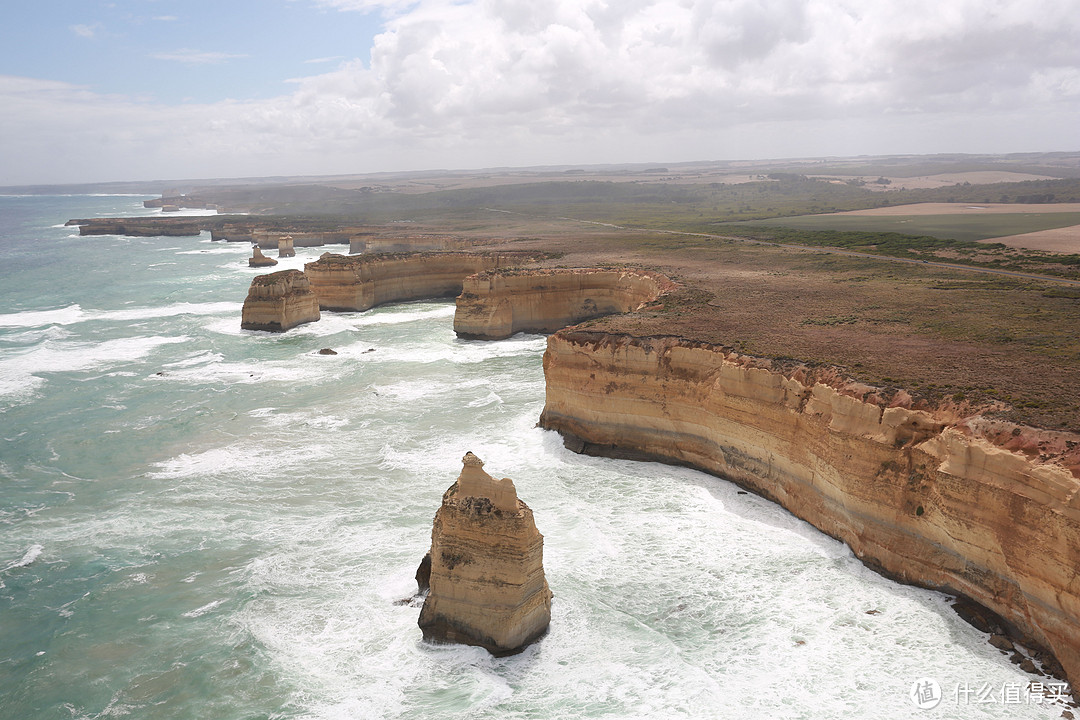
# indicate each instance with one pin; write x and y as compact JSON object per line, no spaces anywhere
{"x":972,"y":228}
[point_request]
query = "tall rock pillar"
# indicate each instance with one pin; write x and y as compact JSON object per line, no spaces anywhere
{"x":487,"y":584}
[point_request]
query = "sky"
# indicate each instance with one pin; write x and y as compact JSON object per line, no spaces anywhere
{"x":94,"y":91}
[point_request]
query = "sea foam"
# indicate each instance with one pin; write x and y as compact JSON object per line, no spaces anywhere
{"x":32,"y":554}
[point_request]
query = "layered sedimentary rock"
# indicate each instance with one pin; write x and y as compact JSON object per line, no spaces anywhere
{"x":930,"y":495}
{"x":485,"y":573}
{"x":279,"y":301}
{"x":495,"y":305}
{"x":285,"y":247}
{"x":372,"y":244}
{"x":359,"y":282}
{"x":233,"y":232}
{"x":257,"y":258}
{"x":140,"y":227}
{"x":268,"y":239}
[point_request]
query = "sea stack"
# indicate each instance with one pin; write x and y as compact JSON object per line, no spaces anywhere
{"x":285,"y":247}
{"x":486,"y":581}
{"x":279,"y":301}
{"x":257,"y":258}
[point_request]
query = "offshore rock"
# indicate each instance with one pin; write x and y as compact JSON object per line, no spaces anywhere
{"x":257,"y":259}
{"x":360,"y":282}
{"x":486,"y":576}
{"x":285,"y":246}
{"x":928,"y":494}
{"x":279,"y":301}
{"x":495,"y":305}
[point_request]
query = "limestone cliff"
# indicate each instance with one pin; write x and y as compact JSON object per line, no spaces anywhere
{"x":929,"y":494}
{"x":270,"y":238}
{"x":370,"y":243}
{"x":486,"y":577}
{"x":359,"y":282}
{"x":279,"y":301}
{"x":140,"y":227}
{"x":495,"y":305}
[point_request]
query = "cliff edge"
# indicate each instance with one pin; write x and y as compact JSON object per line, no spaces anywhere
{"x":936,"y":496}
{"x":495,"y":305}
{"x":360,"y":282}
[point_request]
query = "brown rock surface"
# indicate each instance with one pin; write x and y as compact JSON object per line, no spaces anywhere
{"x":285,"y":246}
{"x":360,"y":282}
{"x":487,"y":584}
{"x":928,"y":495}
{"x":375,"y":244}
{"x":140,"y":227}
{"x":495,"y":305}
{"x":257,"y":258}
{"x":279,"y":301}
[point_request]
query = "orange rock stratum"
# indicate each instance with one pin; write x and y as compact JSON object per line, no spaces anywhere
{"x":495,"y":305}
{"x":279,"y":301}
{"x":487,"y":583}
{"x":360,"y":282}
{"x":929,"y":495}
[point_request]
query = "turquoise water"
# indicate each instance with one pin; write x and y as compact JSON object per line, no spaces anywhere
{"x":202,"y":522}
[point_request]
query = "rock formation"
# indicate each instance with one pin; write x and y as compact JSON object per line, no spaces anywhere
{"x":270,"y":238}
{"x":257,"y":258}
{"x":233,"y":232}
{"x":486,"y":573}
{"x":279,"y":301}
{"x":928,"y":495}
{"x":495,"y":305}
{"x":140,"y":227}
{"x":359,"y":282}
{"x":176,"y":202}
{"x":285,"y":246}
{"x":370,"y":243}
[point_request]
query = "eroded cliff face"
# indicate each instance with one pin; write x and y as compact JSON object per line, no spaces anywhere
{"x":360,"y":282}
{"x":417,"y":243}
{"x":279,"y":301}
{"x":931,"y":495}
{"x":486,"y":574}
{"x":495,"y":305}
{"x":141,"y":227}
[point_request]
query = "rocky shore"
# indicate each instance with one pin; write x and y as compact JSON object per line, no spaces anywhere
{"x":930,"y":495}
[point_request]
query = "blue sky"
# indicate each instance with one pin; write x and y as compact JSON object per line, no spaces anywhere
{"x":191,"y":51}
{"x":146,"y":89}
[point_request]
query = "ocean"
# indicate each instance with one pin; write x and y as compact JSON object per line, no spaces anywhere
{"x":202,"y":522}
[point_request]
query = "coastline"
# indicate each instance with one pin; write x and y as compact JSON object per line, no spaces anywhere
{"x":925,"y":496}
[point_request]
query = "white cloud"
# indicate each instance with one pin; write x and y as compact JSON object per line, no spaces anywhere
{"x":167,"y":18}
{"x":506,"y":82}
{"x":195,"y":57}
{"x":86,"y":31}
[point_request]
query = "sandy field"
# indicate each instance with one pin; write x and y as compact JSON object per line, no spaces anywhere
{"x":1059,"y":240}
{"x":965,"y":209}
{"x":979,"y":177}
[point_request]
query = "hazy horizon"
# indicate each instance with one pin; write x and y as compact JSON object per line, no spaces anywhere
{"x":142,"y":90}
